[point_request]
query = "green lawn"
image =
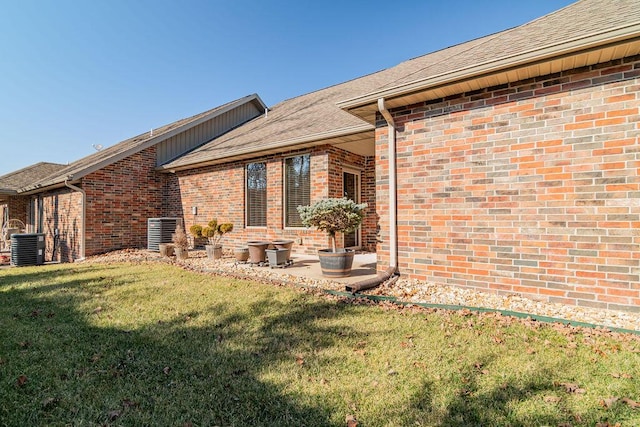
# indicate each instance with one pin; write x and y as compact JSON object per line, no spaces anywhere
{"x":151,"y":344}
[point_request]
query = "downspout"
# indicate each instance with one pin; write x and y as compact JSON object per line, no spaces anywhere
{"x":84,"y":216}
{"x":392,"y":271}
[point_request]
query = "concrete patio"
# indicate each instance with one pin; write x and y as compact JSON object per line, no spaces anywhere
{"x":304,"y":265}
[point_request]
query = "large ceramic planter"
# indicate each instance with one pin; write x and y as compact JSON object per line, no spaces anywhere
{"x":284,"y":244}
{"x":214,"y":251}
{"x":336,"y":264}
{"x":241,"y":254}
{"x":257,"y":251}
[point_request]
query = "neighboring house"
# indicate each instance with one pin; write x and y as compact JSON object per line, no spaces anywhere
{"x":510,"y":163}
{"x":13,"y":206}
{"x":102,"y":202}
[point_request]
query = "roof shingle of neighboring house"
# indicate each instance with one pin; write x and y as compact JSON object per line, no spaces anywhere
{"x":318,"y":116}
{"x":12,"y":182}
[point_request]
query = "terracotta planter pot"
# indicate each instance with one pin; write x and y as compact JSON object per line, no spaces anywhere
{"x":166,"y":249}
{"x":336,"y":264}
{"x":214,"y":251}
{"x":257,"y":251}
{"x":241,"y":254}
{"x":181,"y":253}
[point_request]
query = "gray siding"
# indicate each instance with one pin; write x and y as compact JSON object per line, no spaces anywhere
{"x":204,"y":132}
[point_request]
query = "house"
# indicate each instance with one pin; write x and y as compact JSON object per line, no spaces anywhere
{"x":517,"y":161}
{"x":508,"y":164}
{"x":102,"y":202}
{"x":13,"y":206}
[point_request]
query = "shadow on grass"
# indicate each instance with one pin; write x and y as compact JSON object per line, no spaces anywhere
{"x":176,"y":371}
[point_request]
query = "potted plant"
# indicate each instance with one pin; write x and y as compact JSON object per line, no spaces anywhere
{"x":198,"y":239}
{"x":334,"y":215}
{"x":214,"y":232}
{"x":180,"y":242}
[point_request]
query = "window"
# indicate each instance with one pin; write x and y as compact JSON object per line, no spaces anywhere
{"x":257,"y":195}
{"x":297,"y":180}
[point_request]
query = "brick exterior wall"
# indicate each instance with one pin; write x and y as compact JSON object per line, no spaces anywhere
{"x":18,"y":207}
{"x":62,"y":211}
{"x":530,"y":188}
{"x":219,"y":192}
{"x":120,"y":199}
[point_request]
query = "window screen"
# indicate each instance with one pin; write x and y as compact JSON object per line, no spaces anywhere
{"x":297,"y":188}
{"x":257,"y":195}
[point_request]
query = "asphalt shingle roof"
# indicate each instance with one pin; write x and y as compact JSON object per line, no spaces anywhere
{"x":13,"y":181}
{"x":315,"y":115}
{"x":572,"y":22}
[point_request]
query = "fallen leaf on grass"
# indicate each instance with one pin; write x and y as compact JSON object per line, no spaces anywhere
{"x":622,"y":375}
{"x":351,"y":420}
{"x":571,"y":388}
{"x":607,"y":403}
{"x":113,"y":415}
{"x":299,"y":360}
{"x":631,"y":403}
{"x":126,"y":403}
{"x":49,"y":402}
{"x":551,"y":399}
{"x":166,"y":370}
{"x":21,"y":381}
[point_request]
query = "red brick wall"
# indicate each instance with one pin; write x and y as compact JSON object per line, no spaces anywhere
{"x":62,"y":211}
{"x":219,"y":192}
{"x":529,"y":188}
{"x":18,"y":208}
{"x":120,"y":199}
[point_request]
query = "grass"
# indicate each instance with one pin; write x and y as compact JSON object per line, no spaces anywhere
{"x":147,"y":344}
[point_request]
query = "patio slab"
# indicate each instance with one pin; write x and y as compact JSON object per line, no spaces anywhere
{"x":304,"y":265}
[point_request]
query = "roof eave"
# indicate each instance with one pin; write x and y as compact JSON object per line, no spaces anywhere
{"x":270,"y":148}
{"x":618,"y":35}
{"x":254,"y":98}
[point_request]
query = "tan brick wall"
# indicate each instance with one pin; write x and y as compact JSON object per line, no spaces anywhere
{"x":219,"y":192}
{"x":530,"y":188}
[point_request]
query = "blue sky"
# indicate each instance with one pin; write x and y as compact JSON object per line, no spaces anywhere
{"x":76,"y":73}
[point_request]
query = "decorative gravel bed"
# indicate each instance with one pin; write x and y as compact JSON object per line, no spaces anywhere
{"x":405,"y":290}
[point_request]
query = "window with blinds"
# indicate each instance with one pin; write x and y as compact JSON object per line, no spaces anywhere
{"x":297,"y":181}
{"x":256,"y":195}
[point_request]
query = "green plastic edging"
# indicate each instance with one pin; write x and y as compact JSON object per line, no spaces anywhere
{"x":392,"y":299}
{"x":544,"y":319}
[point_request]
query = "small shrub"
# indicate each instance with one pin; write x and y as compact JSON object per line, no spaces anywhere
{"x":196,"y":230}
{"x":179,"y":238}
